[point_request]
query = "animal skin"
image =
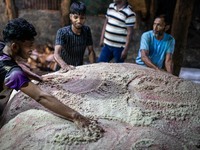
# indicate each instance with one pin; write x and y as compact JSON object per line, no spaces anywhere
{"x":138,"y":108}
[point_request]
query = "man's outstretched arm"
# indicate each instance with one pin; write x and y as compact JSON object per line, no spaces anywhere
{"x":54,"y":104}
{"x":59,"y":60}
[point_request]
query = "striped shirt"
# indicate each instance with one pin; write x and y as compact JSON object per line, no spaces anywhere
{"x":73,"y":45}
{"x":118,"y":21}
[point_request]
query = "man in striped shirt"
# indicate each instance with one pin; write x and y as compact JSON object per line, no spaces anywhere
{"x":117,"y":31}
{"x":72,"y":41}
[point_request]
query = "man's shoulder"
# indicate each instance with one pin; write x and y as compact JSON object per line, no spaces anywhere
{"x":111,"y":5}
{"x":7,"y":65}
{"x":128,"y":9}
{"x":169,"y":37}
{"x":66,"y":28}
{"x":86,"y":28}
{"x":148,"y":33}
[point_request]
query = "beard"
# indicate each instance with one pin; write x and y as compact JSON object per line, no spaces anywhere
{"x":158,"y":34}
{"x":78,"y":27}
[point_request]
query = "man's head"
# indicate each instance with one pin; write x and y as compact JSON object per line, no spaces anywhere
{"x":18,"y":30}
{"x":77,"y":14}
{"x":160,"y":25}
{"x":119,"y":1}
{"x":78,"y":8}
{"x":19,"y":35}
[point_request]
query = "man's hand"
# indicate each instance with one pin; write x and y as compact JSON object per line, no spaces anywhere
{"x":86,"y":124}
{"x":124,"y":54}
{"x":66,"y":68}
{"x":101,"y":44}
{"x":81,"y":121}
{"x":49,"y":77}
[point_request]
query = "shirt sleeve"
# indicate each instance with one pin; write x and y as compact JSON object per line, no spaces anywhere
{"x":16,"y":78}
{"x":130,"y":21}
{"x":60,"y":37}
{"x":144,"y":43}
{"x":171,"y":46}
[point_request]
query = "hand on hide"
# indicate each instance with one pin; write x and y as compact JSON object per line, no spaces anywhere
{"x":67,"y":68}
{"x":86,"y":124}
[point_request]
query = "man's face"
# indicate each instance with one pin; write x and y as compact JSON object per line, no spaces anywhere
{"x":25,"y":49}
{"x":77,"y":20}
{"x":159,"y":27}
{"x":118,"y":1}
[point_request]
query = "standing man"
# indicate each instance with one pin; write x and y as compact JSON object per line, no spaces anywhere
{"x":19,"y":40}
{"x":71,"y":41}
{"x":157,"y":46}
{"x":117,"y":32}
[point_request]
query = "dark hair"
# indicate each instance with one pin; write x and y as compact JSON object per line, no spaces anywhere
{"x":165,"y":17}
{"x":18,"y":29}
{"x":78,"y":8}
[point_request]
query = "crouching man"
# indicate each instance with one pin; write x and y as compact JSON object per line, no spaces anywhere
{"x":19,"y":36}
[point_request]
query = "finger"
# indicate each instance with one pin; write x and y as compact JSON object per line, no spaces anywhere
{"x":72,"y":67}
{"x":64,"y":70}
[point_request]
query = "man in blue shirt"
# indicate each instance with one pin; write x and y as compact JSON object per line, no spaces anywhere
{"x":156,"y":46}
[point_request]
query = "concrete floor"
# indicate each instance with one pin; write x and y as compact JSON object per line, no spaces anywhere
{"x":192,"y":74}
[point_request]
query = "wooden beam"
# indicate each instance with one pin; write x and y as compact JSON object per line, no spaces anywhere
{"x":11,"y":9}
{"x":65,"y":5}
{"x":181,"y":21}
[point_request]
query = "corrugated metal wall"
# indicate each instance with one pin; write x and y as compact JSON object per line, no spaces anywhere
{"x":38,"y":4}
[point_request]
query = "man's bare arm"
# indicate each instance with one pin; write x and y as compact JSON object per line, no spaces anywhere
{"x":59,"y":60}
{"x":128,"y":40}
{"x":146,"y":60}
{"x":54,"y":104}
{"x":169,"y":63}
{"x":91,"y":54}
{"x":30,"y":74}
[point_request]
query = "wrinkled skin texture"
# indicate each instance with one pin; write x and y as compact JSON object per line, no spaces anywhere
{"x":138,"y":108}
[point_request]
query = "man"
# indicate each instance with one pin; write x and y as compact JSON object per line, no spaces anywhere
{"x":19,"y":38}
{"x":23,"y":64}
{"x":117,"y":32}
{"x":72,"y":41}
{"x":157,"y":46}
